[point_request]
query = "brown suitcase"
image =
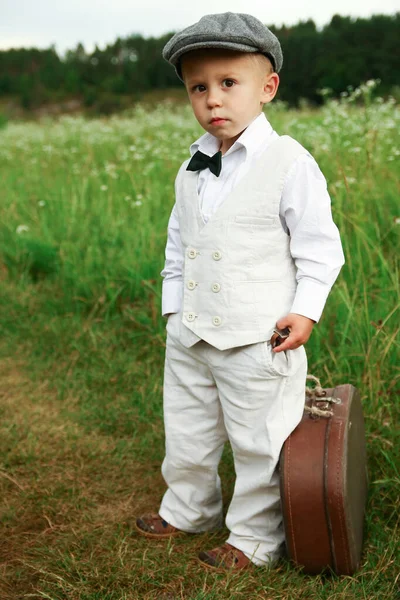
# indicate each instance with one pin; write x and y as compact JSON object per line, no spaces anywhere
{"x":323,"y":482}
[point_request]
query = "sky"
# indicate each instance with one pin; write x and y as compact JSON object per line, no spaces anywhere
{"x":65,"y":23}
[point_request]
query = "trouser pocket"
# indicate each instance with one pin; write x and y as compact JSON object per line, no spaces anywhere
{"x":278,"y":363}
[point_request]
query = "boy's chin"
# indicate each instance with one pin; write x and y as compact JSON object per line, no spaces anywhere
{"x":228,"y":131}
{"x":223,"y":135}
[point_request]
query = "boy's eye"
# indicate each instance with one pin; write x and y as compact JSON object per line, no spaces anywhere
{"x":199,"y":88}
{"x":228,"y":83}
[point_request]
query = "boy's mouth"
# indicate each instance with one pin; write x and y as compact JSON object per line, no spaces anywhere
{"x":217,"y":121}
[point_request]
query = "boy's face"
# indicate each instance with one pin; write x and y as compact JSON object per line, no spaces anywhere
{"x":227,"y":90}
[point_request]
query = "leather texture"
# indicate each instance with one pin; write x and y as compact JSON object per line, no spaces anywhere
{"x":324,"y":482}
{"x":225,"y":557}
{"x":154,"y":526}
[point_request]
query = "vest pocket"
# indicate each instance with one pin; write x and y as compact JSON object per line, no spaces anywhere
{"x":249,"y":220}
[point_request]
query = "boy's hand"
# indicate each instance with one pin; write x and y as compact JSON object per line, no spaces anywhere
{"x":300,"y":330}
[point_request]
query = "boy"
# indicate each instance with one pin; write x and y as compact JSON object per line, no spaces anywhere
{"x":251,"y":247}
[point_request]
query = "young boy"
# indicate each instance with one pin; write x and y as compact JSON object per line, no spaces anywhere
{"x":251,"y":247}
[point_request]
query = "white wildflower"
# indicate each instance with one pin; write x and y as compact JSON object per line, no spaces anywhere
{"x":42,"y":203}
{"x":21,"y":228}
{"x":325,"y":91}
{"x":137,"y":203}
{"x":104,"y":188}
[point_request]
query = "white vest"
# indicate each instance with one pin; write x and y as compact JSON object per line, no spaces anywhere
{"x":239,"y":276}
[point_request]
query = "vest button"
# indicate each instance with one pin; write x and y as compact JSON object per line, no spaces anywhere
{"x":190,"y":316}
{"x":215,"y":287}
{"x":191,"y":284}
{"x":192,"y":253}
{"x":217,"y":321}
{"x":217,"y":255}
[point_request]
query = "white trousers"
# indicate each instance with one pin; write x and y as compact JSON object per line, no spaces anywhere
{"x":250,"y":396}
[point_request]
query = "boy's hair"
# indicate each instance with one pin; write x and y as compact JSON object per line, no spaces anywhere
{"x":263,"y":62}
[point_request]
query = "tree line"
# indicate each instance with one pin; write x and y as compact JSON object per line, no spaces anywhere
{"x":345,"y":52}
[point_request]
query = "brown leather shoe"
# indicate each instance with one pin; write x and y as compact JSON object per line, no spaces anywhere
{"x":154,"y":526}
{"x":224,"y":558}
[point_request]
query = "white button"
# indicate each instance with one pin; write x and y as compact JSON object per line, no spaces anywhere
{"x":192,"y":253}
{"x":217,"y":321}
{"x":217,"y":255}
{"x":190,"y":316}
{"x":191,"y":284}
{"x":215,"y":287}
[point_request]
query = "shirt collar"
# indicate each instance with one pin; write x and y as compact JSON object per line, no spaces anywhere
{"x":251,"y":139}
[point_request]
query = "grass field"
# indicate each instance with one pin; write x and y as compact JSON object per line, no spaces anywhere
{"x":84,"y":210}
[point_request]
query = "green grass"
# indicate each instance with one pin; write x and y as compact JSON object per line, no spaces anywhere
{"x":82,"y":349}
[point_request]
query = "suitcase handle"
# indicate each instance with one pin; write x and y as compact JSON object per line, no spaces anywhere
{"x":317,"y":395}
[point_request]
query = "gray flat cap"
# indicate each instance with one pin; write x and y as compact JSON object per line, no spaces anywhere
{"x":233,"y":31}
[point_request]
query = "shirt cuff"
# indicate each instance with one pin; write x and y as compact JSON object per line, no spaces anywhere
{"x":172,"y":292}
{"x":310,"y":298}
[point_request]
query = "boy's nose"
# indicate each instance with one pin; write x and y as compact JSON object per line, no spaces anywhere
{"x":213,"y":99}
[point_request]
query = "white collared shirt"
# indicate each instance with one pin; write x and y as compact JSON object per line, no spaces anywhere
{"x":305,"y":213}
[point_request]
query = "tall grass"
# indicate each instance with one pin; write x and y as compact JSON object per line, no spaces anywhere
{"x":84,"y":212}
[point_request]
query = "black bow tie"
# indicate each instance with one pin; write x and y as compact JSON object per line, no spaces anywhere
{"x":200,"y":161}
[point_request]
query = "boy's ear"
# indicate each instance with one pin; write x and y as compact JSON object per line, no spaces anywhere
{"x":270,"y":88}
